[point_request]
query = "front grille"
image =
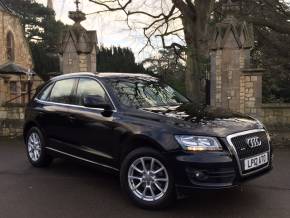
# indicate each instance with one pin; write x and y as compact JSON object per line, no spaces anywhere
{"x":242,"y":148}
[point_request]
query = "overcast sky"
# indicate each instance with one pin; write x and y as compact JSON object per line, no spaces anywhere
{"x":110,"y":28}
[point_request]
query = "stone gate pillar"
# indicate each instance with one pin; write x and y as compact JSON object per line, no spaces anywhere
{"x":234,"y":84}
{"x":78,"y":46}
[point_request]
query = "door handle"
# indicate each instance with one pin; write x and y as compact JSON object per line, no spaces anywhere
{"x":72,"y":118}
{"x":41,"y":112}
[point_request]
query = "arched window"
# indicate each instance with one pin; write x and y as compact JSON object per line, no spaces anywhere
{"x":10,"y":47}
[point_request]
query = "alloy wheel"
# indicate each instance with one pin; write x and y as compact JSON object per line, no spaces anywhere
{"x":34,"y":146}
{"x":148,"y":179}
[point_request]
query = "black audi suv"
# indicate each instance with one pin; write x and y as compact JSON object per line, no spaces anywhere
{"x":158,"y":141}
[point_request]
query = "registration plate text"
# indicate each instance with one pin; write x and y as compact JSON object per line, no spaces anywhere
{"x":256,"y":161}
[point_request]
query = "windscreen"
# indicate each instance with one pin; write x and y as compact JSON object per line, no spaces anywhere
{"x":142,"y":93}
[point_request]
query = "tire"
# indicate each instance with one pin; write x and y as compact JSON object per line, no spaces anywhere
{"x":35,"y":149}
{"x":160,"y":191}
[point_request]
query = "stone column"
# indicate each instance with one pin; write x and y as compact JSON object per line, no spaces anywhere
{"x":251,"y":92}
{"x":225,"y":75}
{"x":234,"y":84}
{"x":83,"y":63}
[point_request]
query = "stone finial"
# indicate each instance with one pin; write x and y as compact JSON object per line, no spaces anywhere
{"x":77,"y":2}
{"x":77,"y":16}
{"x":230,"y":9}
{"x":50,"y":4}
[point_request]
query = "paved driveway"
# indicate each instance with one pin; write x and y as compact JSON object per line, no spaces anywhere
{"x":69,"y":190}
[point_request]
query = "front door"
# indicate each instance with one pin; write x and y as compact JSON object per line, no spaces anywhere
{"x":91,"y":132}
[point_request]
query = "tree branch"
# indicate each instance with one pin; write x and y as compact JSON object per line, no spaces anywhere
{"x":105,"y":4}
{"x":278,"y":27}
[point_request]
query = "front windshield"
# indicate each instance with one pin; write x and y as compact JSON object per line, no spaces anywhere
{"x":143,"y":93}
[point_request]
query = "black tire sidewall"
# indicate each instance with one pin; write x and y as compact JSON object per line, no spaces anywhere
{"x":167,"y":199}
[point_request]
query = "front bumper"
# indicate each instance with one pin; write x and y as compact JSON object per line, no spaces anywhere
{"x":210,"y":170}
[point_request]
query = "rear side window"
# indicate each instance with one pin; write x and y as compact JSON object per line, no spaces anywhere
{"x":62,"y":91}
{"x":44,"y":94}
{"x":89,"y":87}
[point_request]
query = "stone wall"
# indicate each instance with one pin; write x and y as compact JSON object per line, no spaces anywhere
{"x":11,"y":121}
{"x":276,"y":116}
{"x":12,"y":117}
{"x":20,"y":95}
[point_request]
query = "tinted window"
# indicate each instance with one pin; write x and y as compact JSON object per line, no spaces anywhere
{"x":44,"y":95}
{"x":89,"y":87}
{"x":141,"y":93}
{"x":62,"y":90}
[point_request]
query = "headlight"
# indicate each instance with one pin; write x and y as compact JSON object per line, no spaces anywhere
{"x":198,"y":143}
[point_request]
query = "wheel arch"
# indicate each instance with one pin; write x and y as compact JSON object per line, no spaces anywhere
{"x":27,"y":127}
{"x":138,"y":141}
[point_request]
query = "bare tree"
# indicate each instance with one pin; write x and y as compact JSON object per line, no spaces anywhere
{"x":182,"y":23}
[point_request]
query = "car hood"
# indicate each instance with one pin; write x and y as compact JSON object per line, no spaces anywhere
{"x":203,"y":120}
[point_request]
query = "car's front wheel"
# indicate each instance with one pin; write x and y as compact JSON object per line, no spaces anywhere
{"x":147,"y":179}
{"x":35,"y":147}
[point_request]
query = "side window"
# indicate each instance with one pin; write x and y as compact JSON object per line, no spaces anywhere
{"x":89,"y":87}
{"x":13,"y":87}
{"x":62,"y":90}
{"x":10,"y":47}
{"x":44,"y":94}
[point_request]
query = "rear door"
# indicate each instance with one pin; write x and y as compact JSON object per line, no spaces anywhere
{"x":54,"y":117}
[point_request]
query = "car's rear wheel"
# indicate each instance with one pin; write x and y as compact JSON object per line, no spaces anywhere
{"x":147,"y":179}
{"x":35,"y":147}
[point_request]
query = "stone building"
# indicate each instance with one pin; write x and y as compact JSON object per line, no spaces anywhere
{"x":15,"y":57}
{"x":78,"y":46}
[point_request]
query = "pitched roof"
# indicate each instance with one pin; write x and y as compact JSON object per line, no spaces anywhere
{"x":4,"y":7}
{"x":84,"y":41}
{"x":12,"y":68}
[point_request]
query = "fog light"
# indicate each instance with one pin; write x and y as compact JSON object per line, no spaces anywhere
{"x":272,"y":157}
{"x":200,"y":175}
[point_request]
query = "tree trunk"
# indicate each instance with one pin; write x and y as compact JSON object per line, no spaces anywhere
{"x":195,"y":21}
{"x":197,"y":53}
{"x":193,"y":76}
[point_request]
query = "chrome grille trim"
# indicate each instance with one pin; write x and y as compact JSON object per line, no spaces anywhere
{"x":233,"y":150}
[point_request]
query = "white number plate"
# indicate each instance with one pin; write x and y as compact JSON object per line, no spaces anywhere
{"x":256,"y":161}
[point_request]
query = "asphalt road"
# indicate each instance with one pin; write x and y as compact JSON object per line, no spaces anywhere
{"x":69,"y":190}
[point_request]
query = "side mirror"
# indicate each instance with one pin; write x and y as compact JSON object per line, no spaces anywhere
{"x":96,"y":101}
